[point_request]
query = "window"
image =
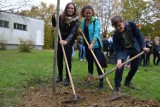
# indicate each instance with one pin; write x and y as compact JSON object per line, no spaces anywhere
{"x":20,"y":26}
{"x":4,"y":23}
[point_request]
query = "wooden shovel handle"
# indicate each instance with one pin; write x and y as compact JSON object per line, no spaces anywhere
{"x":129,"y":60}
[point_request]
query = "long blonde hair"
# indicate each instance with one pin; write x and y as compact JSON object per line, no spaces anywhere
{"x":156,"y":40}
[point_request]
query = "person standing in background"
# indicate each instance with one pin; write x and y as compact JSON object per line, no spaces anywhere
{"x":80,"y":47}
{"x":105,"y":46}
{"x":148,"y":45}
{"x":156,"y":50}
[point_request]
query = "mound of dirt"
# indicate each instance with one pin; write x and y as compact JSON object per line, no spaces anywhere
{"x":63,"y":97}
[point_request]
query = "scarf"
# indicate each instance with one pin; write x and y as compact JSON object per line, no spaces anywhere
{"x":70,"y":19}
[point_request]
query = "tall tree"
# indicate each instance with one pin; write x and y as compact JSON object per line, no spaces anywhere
{"x":146,"y":13}
{"x":80,"y":3}
{"x":103,"y":12}
{"x":134,"y":10}
{"x":155,"y":18}
{"x":154,"y":11}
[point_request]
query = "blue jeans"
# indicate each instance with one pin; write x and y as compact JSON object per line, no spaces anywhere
{"x":80,"y":47}
{"x":133,"y":68}
{"x":84,"y":52}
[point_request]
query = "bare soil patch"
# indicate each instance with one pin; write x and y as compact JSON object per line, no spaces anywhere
{"x":63,"y":97}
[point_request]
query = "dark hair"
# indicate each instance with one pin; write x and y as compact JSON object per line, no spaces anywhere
{"x":86,"y":7}
{"x":64,"y":14}
{"x":116,"y":19}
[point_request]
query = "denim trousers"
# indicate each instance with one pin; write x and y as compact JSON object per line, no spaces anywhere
{"x":80,"y":47}
{"x":133,"y":67}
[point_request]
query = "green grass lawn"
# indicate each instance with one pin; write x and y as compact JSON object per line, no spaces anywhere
{"x":19,"y":70}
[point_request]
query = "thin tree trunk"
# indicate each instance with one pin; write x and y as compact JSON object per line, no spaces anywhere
{"x":55,"y":49}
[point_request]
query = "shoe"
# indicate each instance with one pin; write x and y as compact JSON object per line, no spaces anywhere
{"x":59,"y":79}
{"x":130,"y":85}
{"x":117,"y":91}
{"x":66,"y":82}
{"x":89,"y":78}
{"x":100,"y":86}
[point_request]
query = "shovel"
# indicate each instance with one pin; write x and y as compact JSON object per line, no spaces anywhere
{"x":68,"y":70}
{"x":129,"y":60}
{"x":115,"y":96}
{"x":107,"y":73}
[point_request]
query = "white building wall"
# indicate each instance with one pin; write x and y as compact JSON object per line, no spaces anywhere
{"x":34,"y":30}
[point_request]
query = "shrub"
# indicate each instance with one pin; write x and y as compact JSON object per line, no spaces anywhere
{"x":26,"y":46}
{"x":2,"y":45}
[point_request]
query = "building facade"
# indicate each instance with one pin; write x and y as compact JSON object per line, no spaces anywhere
{"x":14,"y":28}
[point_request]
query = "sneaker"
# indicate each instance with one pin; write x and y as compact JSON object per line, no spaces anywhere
{"x":100,"y":86}
{"x":66,"y":82}
{"x":130,"y":85}
{"x":59,"y":79}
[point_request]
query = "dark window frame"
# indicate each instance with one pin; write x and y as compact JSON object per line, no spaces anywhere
{"x":19,"y":26}
{"x":4,"y":23}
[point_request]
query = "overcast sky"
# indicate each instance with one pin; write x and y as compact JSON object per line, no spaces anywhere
{"x":21,"y":5}
{"x":62,"y":2}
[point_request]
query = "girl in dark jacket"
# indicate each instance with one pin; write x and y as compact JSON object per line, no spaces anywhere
{"x":68,"y":28}
{"x":156,"y":50}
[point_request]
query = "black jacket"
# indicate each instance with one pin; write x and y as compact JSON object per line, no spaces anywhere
{"x":68,"y":31}
{"x":156,"y":49}
{"x":105,"y":44}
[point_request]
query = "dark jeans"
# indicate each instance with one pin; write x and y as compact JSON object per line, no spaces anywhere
{"x":148,"y":58}
{"x":144,"y":59}
{"x":156,"y":58}
{"x":133,"y":68}
{"x":68,"y":51}
{"x":90,"y":59}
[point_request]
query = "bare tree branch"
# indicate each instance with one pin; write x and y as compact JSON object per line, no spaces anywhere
{"x":11,"y":5}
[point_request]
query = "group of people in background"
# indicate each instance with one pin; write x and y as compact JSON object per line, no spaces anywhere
{"x":127,"y":41}
{"x":154,"y":46}
{"x":146,"y":58}
{"x":156,"y":51}
{"x":81,"y":48}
